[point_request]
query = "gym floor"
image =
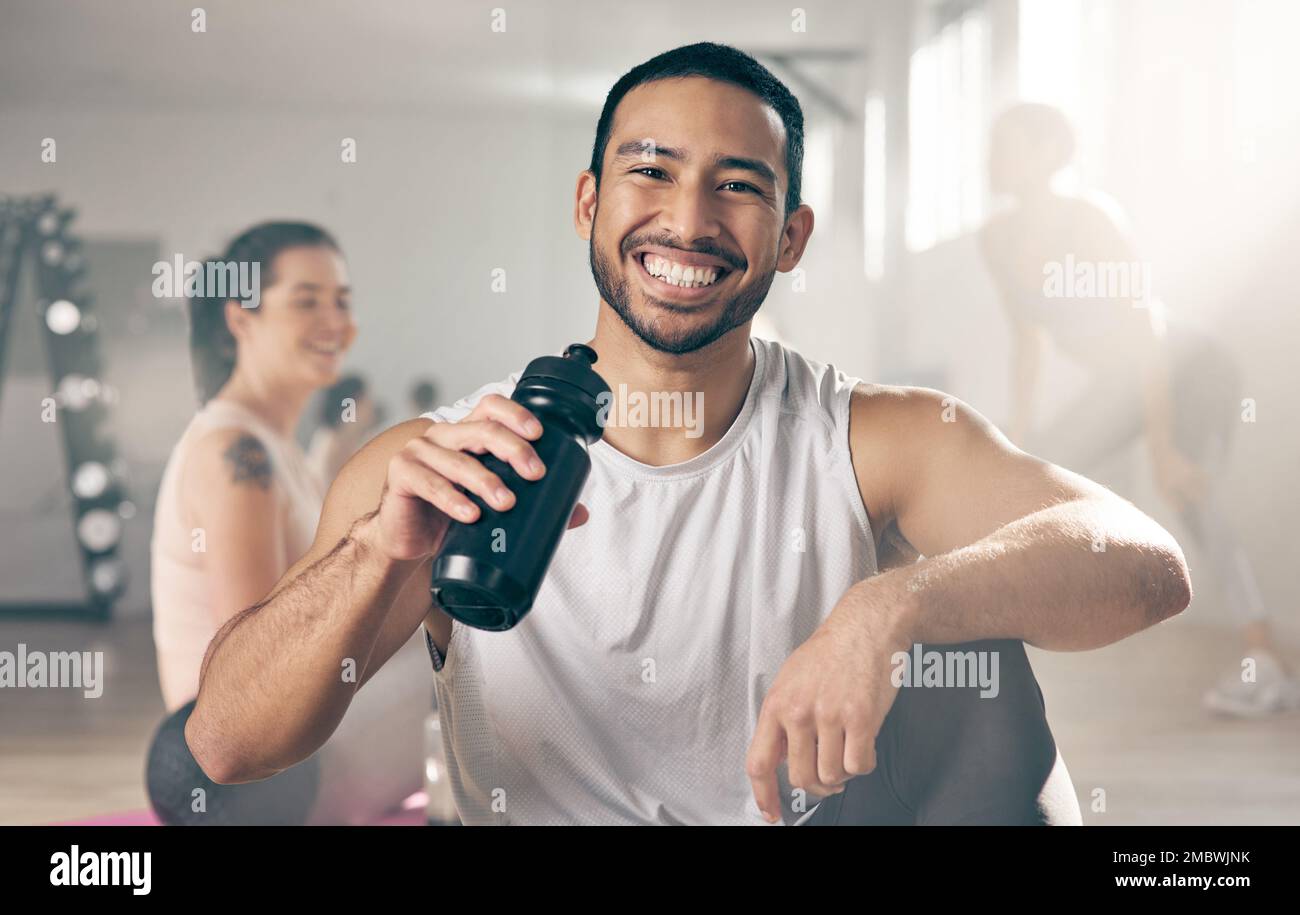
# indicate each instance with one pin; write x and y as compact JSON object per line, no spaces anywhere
{"x":1128,"y":720}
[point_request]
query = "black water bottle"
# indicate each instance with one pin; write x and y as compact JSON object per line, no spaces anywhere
{"x":487,"y":573}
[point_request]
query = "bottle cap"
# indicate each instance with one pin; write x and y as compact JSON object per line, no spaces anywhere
{"x":573,"y":368}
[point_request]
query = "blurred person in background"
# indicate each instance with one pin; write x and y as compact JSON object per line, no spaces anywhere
{"x":348,"y":417}
{"x":1067,"y":272}
{"x":424,"y":397}
{"x":239,"y":504}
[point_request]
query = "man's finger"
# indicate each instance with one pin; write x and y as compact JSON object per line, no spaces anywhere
{"x":859,"y":751}
{"x":830,"y":756}
{"x":765,"y":753}
{"x":513,"y":415}
{"x":801,"y":754}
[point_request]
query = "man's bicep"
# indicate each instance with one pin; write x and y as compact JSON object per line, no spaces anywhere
{"x":962,"y":479}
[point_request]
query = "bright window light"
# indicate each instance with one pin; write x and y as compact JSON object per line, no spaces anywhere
{"x":947,"y":120}
{"x":873,"y":188}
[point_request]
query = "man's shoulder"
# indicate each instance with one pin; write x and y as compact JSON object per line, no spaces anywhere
{"x":897,"y":416}
{"x":881,"y":417}
{"x":894,"y":429}
{"x":883,"y":408}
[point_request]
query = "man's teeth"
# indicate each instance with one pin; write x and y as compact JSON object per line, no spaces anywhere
{"x":679,"y":274}
{"x":327,"y":348}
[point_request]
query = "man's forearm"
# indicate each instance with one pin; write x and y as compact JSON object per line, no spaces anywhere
{"x":278,"y":677}
{"x":1074,"y":576}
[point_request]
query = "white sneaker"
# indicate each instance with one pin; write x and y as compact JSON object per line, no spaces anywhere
{"x":1271,"y":693}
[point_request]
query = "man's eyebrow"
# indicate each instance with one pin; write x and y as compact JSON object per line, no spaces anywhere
{"x":638,"y":148}
{"x":757,"y":166}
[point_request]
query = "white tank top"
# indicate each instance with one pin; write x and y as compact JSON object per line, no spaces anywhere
{"x":630,"y":692}
{"x":184,"y":620}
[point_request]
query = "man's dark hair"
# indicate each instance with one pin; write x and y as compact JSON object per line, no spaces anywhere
{"x":724,"y":64}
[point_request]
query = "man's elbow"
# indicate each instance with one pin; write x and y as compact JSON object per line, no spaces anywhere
{"x":214,"y":757}
{"x":220,"y":767}
{"x":1166,"y":584}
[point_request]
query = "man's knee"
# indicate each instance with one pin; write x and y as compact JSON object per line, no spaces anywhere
{"x":973,"y":739}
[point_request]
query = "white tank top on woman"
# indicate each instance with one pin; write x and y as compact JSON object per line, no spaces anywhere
{"x":630,"y":692}
{"x":374,"y":758}
{"x":184,"y":618}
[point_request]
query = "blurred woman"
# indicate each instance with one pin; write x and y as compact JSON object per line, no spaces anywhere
{"x":239,"y":504}
{"x":1067,"y":272}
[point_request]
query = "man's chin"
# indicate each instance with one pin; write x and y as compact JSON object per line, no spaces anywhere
{"x":677,"y":329}
{"x":700,"y":313}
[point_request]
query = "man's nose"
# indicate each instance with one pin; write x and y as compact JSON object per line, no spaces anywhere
{"x":691,"y":212}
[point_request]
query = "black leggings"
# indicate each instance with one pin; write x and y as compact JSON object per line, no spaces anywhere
{"x":950,"y":756}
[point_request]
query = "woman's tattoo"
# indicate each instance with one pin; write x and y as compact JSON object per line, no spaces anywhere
{"x":249,"y":462}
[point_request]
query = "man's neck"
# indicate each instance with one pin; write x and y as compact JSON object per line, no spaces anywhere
{"x":696,"y":396}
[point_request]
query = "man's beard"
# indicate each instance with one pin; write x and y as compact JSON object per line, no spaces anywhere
{"x":613,"y":288}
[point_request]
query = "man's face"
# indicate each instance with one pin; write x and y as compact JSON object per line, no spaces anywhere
{"x":689,"y":227}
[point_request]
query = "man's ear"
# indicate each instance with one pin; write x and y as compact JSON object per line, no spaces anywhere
{"x":798,"y":229}
{"x":584,"y":204}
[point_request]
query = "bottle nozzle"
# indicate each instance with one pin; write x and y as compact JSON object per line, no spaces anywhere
{"x":581,"y":351}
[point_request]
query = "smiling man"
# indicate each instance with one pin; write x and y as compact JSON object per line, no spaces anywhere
{"x":723,"y":636}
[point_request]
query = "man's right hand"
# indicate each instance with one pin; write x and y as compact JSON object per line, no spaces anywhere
{"x":420,"y":498}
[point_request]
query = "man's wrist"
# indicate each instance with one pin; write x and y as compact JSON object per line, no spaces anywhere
{"x":364,"y":539}
{"x":889,"y":602}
